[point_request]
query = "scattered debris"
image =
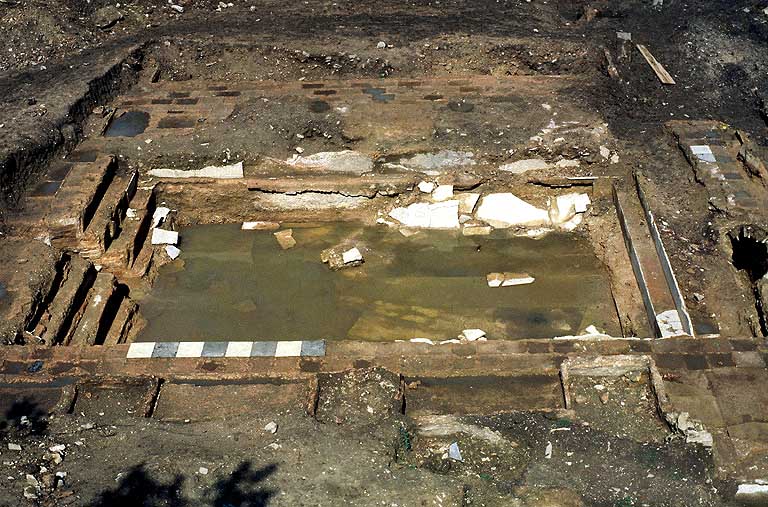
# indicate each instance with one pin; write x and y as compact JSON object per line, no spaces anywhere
{"x":164,"y":237}
{"x":285,"y":239}
{"x":659,"y":69}
{"x":226,"y":172}
{"x":508,"y":279}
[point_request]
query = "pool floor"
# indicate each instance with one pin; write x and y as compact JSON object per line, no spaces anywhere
{"x":231,"y":285}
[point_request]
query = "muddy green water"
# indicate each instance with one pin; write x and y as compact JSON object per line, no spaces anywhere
{"x":240,"y":285}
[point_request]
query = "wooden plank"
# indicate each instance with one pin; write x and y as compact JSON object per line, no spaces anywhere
{"x":658,"y":68}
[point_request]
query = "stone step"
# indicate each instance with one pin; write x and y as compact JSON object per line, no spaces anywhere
{"x":98,"y":313}
{"x":122,"y":252}
{"x":108,"y":219}
{"x":61,"y":313}
{"x":124,"y":325}
{"x":77,"y":200}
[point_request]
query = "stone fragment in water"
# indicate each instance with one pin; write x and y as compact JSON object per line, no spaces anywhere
{"x":521,"y":166}
{"x":442,"y":193}
{"x":508,"y":279}
{"x":476,"y":230}
{"x":225,"y":172}
{"x":164,"y":237}
{"x":507,"y":210}
{"x":172,"y":252}
{"x":471,"y":335}
{"x":352,"y":255}
{"x":285,"y":239}
{"x":259,"y":226}
{"x":346,"y":161}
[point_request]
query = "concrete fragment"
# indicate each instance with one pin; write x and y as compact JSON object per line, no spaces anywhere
{"x":346,"y":161}
{"x":442,"y":193}
{"x":507,"y":210}
{"x":225,"y":172}
{"x":159,"y":215}
{"x":172,"y":252}
{"x":454,"y":453}
{"x":508,"y":279}
{"x":426,"y":186}
{"x":467,"y":202}
{"x":521,"y":166}
{"x":285,"y":239}
{"x":471,"y":335}
{"x":352,"y":255}
{"x":259,"y":226}
{"x":164,"y":237}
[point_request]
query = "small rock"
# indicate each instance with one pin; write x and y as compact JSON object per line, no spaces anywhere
{"x":454,"y":453}
{"x":271,"y":427}
{"x":106,"y":17}
{"x":381,"y":45}
{"x":427,"y":187}
{"x":177,"y":8}
{"x":57,"y":448}
{"x":30,"y":492}
{"x":471,"y":335}
{"x":172,"y":251}
{"x":14,"y":447}
{"x":32,"y":480}
{"x":603,"y":398}
{"x":202,"y":471}
{"x":285,"y":239}
{"x":548,"y":451}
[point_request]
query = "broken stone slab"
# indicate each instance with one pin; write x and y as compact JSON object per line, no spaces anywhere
{"x":259,"y":226}
{"x":285,"y":239}
{"x":563,"y":163}
{"x":271,"y":427}
{"x":505,"y":210}
{"x":442,"y":193}
{"x":172,"y":251}
{"x":454,"y":453}
{"x":164,"y":237}
{"x":521,"y":166}
{"x":346,"y":161}
{"x":439,"y":215}
{"x":225,"y":172}
{"x":508,"y":279}
{"x":753,"y":494}
{"x":703,"y":152}
{"x":422,"y":340}
{"x":471,"y":335}
{"x":13,"y":447}
{"x":565,"y":207}
{"x":467,"y":202}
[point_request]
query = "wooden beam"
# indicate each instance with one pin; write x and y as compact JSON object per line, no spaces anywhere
{"x":658,"y":68}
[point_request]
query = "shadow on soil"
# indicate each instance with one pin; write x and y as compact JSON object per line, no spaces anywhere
{"x":241,"y":488}
{"x":24,"y":415}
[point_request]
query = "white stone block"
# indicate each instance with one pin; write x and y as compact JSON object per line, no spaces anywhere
{"x":507,"y":210}
{"x":190,"y":349}
{"x":164,"y":237}
{"x":288,"y":349}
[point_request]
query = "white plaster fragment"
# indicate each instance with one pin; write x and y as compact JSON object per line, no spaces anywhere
{"x":164,"y":237}
{"x":506,"y":210}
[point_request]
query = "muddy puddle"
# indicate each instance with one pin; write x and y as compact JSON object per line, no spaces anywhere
{"x":231,"y":284}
